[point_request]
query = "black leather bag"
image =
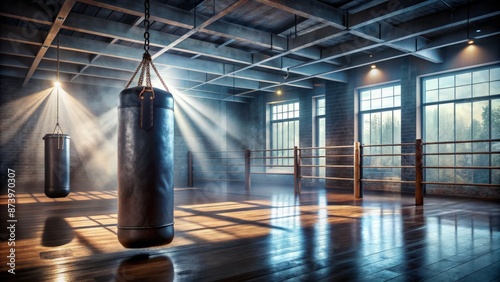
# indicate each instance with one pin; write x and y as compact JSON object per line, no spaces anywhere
{"x":145,"y":167}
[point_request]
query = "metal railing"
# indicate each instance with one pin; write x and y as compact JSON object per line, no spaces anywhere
{"x":305,"y":160}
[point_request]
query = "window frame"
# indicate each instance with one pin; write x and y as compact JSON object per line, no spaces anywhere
{"x":471,"y":100}
{"x":278,"y":118}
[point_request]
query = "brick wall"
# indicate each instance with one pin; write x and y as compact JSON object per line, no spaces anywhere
{"x":89,"y":115}
{"x":339,"y":130}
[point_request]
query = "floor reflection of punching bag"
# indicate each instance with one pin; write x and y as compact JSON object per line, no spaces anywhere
{"x":57,"y":165}
{"x":145,"y":167}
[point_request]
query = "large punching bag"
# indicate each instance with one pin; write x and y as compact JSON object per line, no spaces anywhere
{"x":57,"y":165}
{"x":145,"y":167}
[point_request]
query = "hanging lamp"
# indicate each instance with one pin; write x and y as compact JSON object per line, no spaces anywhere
{"x":145,"y":158}
{"x":57,"y":157}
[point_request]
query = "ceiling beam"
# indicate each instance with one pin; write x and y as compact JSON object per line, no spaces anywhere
{"x":54,"y":30}
{"x":186,"y":19}
{"x":126,"y":58}
{"x":159,"y":12}
{"x":384,"y":11}
{"x":97,"y":56}
{"x":112,"y":29}
{"x":410,"y":30}
{"x":310,"y":9}
{"x":199,"y":27}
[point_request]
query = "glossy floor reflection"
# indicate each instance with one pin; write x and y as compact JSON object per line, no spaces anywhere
{"x":267,"y":234}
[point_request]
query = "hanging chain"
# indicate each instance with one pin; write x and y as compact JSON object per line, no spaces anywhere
{"x":58,"y":84}
{"x":57,"y":129}
{"x":146,"y":26}
{"x":146,"y":62}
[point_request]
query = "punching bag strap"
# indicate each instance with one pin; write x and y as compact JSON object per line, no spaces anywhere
{"x":147,"y":96}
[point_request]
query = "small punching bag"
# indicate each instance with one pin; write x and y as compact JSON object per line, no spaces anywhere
{"x":57,"y":165}
{"x":145,"y":167}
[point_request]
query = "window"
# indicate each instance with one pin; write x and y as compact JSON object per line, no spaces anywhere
{"x":284,"y":131}
{"x":320,"y":134}
{"x":462,"y":106}
{"x":380,"y":112}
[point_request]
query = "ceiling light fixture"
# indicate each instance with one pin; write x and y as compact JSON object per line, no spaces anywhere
{"x":373,"y":66}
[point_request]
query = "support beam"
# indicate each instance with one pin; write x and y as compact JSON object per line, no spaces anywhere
{"x":384,"y":11}
{"x":310,"y":9}
{"x":54,"y":30}
{"x":199,"y":27}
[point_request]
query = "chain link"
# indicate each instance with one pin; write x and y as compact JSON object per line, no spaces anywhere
{"x":147,"y":62}
{"x":146,"y":25}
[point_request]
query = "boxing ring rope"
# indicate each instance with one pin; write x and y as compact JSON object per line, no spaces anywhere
{"x":406,"y":162}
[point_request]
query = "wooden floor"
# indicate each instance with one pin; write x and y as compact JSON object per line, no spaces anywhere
{"x":267,"y":234}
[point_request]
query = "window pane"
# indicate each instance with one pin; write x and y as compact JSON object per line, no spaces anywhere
{"x":366,"y":129}
{"x":480,"y":122}
{"x":387,"y":102}
{"x":495,"y":74}
{"x":387,"y":127}
{"x":397,"y":101}
{"x":279,"y":144}
{"x":297,"y":136}
{"x":365,"y":95}
{"x":431,"y":96}
{"x":291,"y":134}
{"x":376,"y":93}
{"x":396,"y":121}
{"x":463,"y":92}
{"x":376,"y":104}
{"x":397,"y":90}
{"x":446,"y":124}
{"x":365,"y":105}
{"x":431,"y":84}
{"x":375,"y":126}
{"x":431,"y":123}
{"x":321,"y":102}
{"x":447,"y":81}
{"x":494,"y":87}
{"x":321,"y":132}
{"x":387,"y":92}
{"x":495,"y":122}
{"x":274,"y":140}
{"x":463,"y":121}
{"x":446,"y":94}
{"x":480,"y":89}
{"x":480,"y":76}
{"x":463,"y":79}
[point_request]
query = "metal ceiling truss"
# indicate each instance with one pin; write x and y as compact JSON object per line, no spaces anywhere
{"x":101,"y":51}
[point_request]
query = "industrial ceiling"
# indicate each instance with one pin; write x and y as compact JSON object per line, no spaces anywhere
{"x":231,"y":49}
